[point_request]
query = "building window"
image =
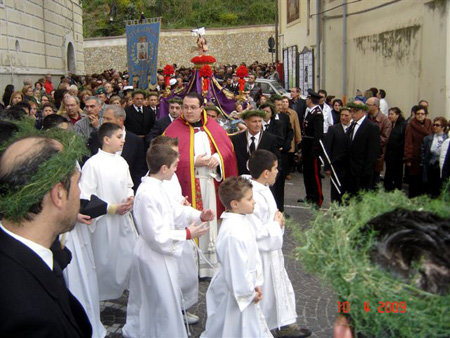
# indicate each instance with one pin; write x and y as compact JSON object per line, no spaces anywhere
{"x":70,"y":58}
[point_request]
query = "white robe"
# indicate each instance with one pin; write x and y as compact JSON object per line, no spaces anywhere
{"x":187,"y":263}
{"x":278,"y":304}
{"x":206,"y":176}
{"x":81,"y":276}
{"x":154,"y":304}
{"x":229,"y":299}
{"x":113,"y":237}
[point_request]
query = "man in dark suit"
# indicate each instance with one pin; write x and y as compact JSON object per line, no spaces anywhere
{"x":298,"y":104}
{"x":336,"y":144}
{"x":287,"y":135}
{"x":254,"y":138}
{"x":140,"y":119}
{"x":364,"y":138}
{"x":311,"y":149}
{"x":161,"y":124}
{"x":153,"y":103}
{"x":133,"y":149}
{"x":253,"y":88}
{"x":34,"y":299}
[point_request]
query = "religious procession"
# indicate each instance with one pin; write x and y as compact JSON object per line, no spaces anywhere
{"x":223,"y":199}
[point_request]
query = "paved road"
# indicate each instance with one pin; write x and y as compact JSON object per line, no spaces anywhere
{"x":316,"y":305}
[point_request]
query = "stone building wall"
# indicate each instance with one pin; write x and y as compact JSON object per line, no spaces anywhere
{"x":394,"y":45}
{"x":228,"y":46}
{"x":39,"y":36}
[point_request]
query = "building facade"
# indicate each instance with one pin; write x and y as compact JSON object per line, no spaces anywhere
{"x":401,"y":46}
{"x":39,"y":37}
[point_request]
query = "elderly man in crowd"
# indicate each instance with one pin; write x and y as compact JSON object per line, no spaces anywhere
{"x":93,"y":119}
{"x":73,"y":112}
{"x":375,"y":115}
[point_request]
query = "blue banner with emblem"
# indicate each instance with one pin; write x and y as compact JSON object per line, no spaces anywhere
{"x":142,"y":50}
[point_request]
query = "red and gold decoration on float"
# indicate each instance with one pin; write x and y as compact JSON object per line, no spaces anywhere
{"x":241,"y":73}
{"x":168,"y":71}
{"x":206,"y":73}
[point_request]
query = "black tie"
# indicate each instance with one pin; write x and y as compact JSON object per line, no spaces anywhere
{"x":140,"y":110}
{"x":252,"y":145}
{"x":267,"y":126}
{"x":350,"y":130}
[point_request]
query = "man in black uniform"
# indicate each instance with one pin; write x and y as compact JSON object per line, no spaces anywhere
{"x":311,"y":149}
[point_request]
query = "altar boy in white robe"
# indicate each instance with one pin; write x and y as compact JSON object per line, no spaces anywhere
{"x":232,"y":299}
{"x":268,"y":223}
{"x":154,"y":304}
{"x":187,"y":264}
{"x":113,"y":236}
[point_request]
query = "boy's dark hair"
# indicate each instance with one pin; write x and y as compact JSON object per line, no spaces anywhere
{"x":159,"y":155}
{"x":52,"y":121}
{"x":22,"y":105}
{"x":162,"y":139}
{"x":107,"y":129}
{"x":233,"y":189}
{"x":259,"y":161}
{"x":413,"y":245}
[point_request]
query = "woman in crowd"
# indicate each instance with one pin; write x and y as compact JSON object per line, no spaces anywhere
{"x":394,"y":151}
{"x":37,"y":93}
{"x":416,"y":130}
{"x":45,"y":99}
{"x":336,"y":110}
{"x":115,"y":100}
{"x":16,"y":97}
{"x":27,"y":92}
{"x":430,"y":153}
{"x":9,"y":89}
{"x":83,"y":95}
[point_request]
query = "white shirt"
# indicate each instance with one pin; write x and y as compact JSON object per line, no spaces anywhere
{"x":139,"y":109}
{"x":357,"y":125}
{"x":384,"y":107}
{"x":444,"y":149}
{"x":345,"y":127}
{"x":45,"y":254}
{"x":256,"y":136}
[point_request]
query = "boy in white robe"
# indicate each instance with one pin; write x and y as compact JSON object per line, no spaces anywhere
{"x":80,"y":275}
{"x":232,"y":299}
{"x":113,"y":236}
{"x":268,"y":223}
{"x":187,"y":264}
{"x":154,"y":304}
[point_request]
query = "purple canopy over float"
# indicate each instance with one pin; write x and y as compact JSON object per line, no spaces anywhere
{"x":218,"y":95}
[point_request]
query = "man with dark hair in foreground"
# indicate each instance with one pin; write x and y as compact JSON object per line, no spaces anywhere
{"x":34,"y":300}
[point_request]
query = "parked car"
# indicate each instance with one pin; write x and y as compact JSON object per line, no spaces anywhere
{"x":271,"y":87}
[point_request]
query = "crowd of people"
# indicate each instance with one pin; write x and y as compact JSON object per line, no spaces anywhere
{"x":141,"y":217}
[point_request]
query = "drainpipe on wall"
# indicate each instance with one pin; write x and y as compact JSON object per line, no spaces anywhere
{"x":7,"y":45}
{"x":344,"y":53}
{"x":276,"y":31}
{"x":447,"y":80}
{"x":323,"y":46}
{"x":317,"y":43}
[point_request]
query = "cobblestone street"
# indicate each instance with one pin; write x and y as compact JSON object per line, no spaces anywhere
{"x":316,"y":304}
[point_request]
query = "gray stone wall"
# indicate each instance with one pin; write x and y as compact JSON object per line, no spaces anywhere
{"x":228,"y":46}
{"x":40,"y":36}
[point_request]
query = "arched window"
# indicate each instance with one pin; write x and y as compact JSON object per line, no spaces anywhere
{"x":70,"y":58}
